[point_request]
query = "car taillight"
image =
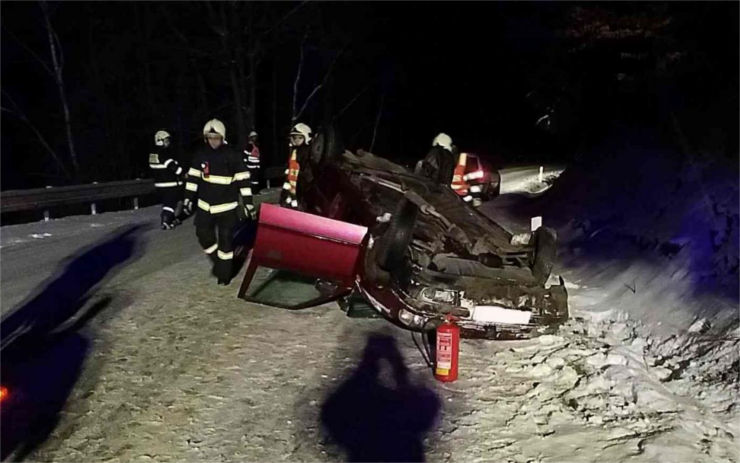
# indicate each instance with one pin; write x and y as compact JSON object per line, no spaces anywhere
{"x":4,"y":394}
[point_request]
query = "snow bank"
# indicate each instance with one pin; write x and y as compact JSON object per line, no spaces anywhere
{"x":648,"y":232}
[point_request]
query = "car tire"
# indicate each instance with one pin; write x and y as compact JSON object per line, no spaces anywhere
{"x":393,"y":244}
{"x":326,"y":146}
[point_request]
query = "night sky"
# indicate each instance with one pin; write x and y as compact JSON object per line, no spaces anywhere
{"x":482,"y":72}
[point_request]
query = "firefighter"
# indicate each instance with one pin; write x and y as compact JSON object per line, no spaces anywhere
{"x":168,"y":176}
{"x":439,"y":163}
{"x":300,"y":138}
{"x":217,"y":180}
{"x":252,"y":160}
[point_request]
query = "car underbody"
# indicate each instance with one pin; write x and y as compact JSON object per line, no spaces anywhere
{"x":427,"y":254}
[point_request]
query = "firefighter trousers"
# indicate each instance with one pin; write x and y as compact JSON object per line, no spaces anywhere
{"x":215,"y":234}
{"x":169,"y":197}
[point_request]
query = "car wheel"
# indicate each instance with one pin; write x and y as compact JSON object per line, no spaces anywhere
{"x":326,"y":146}
{"x":393,"y":244}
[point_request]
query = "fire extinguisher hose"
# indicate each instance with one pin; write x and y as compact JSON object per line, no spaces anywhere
{"x":426,"y":351}
{"x":423,"y":350}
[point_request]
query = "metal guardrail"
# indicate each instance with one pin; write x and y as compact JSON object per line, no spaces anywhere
{"x":45,"y":198}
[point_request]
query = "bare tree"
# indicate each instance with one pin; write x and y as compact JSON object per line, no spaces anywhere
{"x":351,"y":102}
{"x":297,"y":113}
{"x":57,"y":58}
{"x":17,"y":112}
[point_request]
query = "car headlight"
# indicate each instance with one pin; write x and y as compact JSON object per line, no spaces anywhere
{"x":409,"y":319}
{"x":445,"y":296}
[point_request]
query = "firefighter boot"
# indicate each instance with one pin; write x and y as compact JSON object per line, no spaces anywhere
{"x":168,"y":218}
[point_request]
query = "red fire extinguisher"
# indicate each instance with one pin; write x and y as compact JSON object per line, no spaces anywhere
{"x":448,"y":350}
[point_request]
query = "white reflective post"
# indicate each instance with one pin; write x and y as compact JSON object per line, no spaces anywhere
{"x":46,"y":212}
{"x":136,"y":203}
{"x":536,"y":222}
{"x":541,"y":172}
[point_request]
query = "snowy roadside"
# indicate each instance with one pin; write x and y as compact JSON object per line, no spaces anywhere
{"x":196,"y":374}
{"x":192,"y":373}
{"x":526,"y":180}
{"x":180,"y":369}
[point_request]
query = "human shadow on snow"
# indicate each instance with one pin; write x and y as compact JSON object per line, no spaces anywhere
{"x":42,"y":350}
{"x":377,"y":414}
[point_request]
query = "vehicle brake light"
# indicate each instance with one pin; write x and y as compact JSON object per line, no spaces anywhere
{"x":3,"y":393}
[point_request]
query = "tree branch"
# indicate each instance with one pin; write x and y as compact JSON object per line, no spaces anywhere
{"x":284,"y":18}
{"x":308,"y":100}
{"x":329,"y":71}
{"x":377,"y":121}
{"x":352,"y":101}
{"x":298,"y":78}
{"x":59,"y":51}
{"x":22,"y":117}
{"x":60,"y":84}
{"x":31,"y":52}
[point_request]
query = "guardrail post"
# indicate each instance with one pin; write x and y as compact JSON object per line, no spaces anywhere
{"x":93,"y":208}
{"x":46,"y":211}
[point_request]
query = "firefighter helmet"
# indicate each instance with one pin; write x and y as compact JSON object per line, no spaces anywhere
{"x":160,"y":138}
{"x":215,"y":126}
{"x":302,"y":129}
{"x":443,"y":140}
{"x":252,"y":134}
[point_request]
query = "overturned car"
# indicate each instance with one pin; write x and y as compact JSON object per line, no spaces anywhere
{"x":420,"y":252}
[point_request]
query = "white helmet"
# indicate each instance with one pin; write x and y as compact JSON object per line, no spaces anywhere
{"x":215,"y":126}
{"x":302,"y":129}
{"x":443,"y":140}
{"x":160,"y":137}
{"x":252,"y":134}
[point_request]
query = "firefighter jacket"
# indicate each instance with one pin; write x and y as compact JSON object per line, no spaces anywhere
{"x":439,"y":165}
{"x":252,"y":157}
{"x":166,"y":171}
{"x":217,"y":178}
{"x":460,"y":179}
{"x":298,"y":157}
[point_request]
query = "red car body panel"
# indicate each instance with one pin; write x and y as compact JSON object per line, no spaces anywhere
{"x":308,"y":244}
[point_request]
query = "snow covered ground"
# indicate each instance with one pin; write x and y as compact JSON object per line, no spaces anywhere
{"x":179,"y":369}
{"x":527,"y":181}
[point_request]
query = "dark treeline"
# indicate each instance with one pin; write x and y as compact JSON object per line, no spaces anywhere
{"x":86,"y":85}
